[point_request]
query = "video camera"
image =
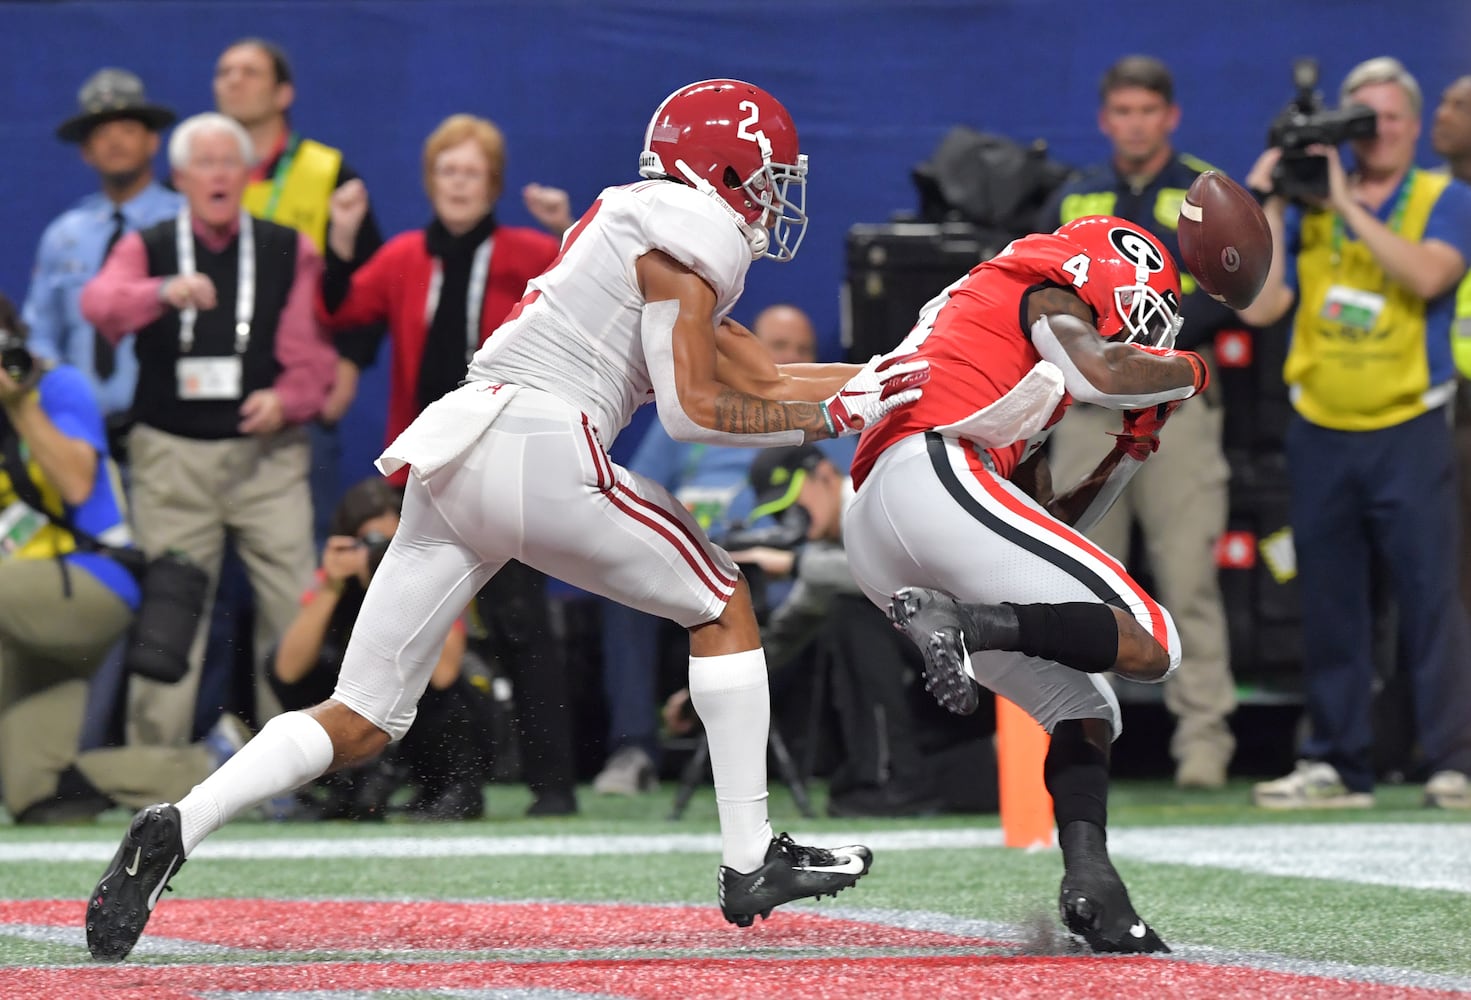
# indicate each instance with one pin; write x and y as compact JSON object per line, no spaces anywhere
{"x":15,"y":358}
{"x":377,"y":546}
{"x":1299,"y":175}
{"x":788,"y":531}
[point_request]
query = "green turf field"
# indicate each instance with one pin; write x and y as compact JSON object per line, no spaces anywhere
{"x":1387,"y":889}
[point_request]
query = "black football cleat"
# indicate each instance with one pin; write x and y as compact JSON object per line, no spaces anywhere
{"x":791,"y":871}
{"x":936,"y":623}
{"x":151,"y":853}
{"x":1095,"y":906}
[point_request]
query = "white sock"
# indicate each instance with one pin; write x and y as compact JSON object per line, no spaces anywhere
{"x":731,"y":696}
{"x":289,"y":751}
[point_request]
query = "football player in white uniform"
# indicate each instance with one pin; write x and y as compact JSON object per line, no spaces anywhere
{"x":513,"y":465}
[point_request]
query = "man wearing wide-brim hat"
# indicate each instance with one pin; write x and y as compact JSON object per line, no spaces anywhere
{"x":117,"y":129}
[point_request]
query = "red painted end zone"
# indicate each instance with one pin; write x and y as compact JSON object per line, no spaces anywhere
{"x":710,"y":969}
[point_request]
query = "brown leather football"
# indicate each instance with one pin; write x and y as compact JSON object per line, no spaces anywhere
{"x":1224,"y":239}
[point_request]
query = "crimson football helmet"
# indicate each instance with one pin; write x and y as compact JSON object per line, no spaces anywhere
{"x":736,"y":143}
{"x":1131,"y":264}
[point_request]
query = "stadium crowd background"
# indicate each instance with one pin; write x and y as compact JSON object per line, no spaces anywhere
{"x":873,"y":87}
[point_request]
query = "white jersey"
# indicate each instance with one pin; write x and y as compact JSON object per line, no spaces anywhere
{"x":576,"y":333}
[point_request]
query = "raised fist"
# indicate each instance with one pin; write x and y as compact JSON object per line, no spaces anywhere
{"x":883,"y":385}
{"x":348,"y":208}
{"x":549,"y":206}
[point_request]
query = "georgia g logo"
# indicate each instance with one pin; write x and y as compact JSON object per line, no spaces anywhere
{"x":1136,"y":249}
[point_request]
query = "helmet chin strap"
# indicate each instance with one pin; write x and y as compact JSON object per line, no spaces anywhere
{"x":757,"y":236}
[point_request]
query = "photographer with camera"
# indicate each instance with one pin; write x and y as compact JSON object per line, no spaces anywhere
{"x":440,"y":754}
{"x":63,"y":606}
{"x":1371,"y":261}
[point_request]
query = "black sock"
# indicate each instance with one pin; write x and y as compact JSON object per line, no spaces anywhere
{"x":1076,"y":774}
{"x":1082,"y":635}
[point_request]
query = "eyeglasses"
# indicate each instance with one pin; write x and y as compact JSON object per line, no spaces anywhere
{"x":451,"y":172}
{"x":217,"y":163}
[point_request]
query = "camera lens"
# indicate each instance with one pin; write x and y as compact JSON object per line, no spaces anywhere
{"x":14,"y":358}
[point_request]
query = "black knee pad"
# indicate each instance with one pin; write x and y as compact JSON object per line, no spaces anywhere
{"x":1082,"y":634}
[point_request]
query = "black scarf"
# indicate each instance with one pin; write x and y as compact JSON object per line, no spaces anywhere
{"x":442,"y":365}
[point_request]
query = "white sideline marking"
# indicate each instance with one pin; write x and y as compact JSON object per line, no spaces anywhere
{"x":1408,"y":855}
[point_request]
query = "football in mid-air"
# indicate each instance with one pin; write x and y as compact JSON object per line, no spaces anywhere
{"x":1224,"y":239}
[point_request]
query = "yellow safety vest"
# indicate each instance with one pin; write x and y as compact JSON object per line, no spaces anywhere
{"x":1461,"y":328}
{"x":43,"y":538}
{"x":1356,"y":368}
{"x":299,"y":191}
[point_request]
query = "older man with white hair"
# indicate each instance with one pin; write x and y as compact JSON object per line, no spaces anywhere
{"x":231,"y":364}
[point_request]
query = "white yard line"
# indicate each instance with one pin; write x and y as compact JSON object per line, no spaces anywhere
{"x":1408,"y":855}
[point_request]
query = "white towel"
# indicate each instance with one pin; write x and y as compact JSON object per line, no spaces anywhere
{"x":446,"y":429}
{"x":1016,"y":416}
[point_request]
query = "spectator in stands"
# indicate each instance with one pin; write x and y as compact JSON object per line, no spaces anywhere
{"x":712,"y":483}
{"x":231,"y":365}
{"x":117,"y":128}
{"x":440,"y":753}
{"x":443,"y":290}
{"x":1179,"y":499}
{"x":292,"y":184}
{"x":1372,"y":270}
{"x":63,"y":603}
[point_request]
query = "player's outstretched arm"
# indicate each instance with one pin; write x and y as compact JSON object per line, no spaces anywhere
{"x":742,"y":362}
{"x":1105,"y":372}
{"x":695,"y":404}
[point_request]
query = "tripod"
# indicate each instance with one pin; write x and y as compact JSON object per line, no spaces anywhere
{"x":698,"y":766}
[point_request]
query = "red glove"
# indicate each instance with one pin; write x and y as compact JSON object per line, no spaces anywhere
{"x":1140,"y":436}
{"x":886,"y":383}
{"x":1202,"y":373}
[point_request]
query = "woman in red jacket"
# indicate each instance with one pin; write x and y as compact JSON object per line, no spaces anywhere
{"x":428,"y":284}
{"x":442,"y":290}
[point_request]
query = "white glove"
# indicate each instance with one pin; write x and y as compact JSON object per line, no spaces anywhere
{"x":886,"y":383}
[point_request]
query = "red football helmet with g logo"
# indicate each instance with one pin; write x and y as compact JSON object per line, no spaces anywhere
{"x":1132,"y":281}
{"x":736,"y":143}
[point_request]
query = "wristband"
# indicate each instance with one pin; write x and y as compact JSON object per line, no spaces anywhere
{"x":832,"y":428}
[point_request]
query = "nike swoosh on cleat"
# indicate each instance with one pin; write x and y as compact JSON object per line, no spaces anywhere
{"x":137,"y":856}
{"x":162,"y":883}
{"x":853,"y":866}
{"x":1138,"y":929}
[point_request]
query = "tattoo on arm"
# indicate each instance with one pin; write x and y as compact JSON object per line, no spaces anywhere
{"x":1142,"y":373}
{"x":742,"y":413}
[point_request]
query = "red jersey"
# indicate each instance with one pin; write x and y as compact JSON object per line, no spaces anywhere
{"x":975,"y":338}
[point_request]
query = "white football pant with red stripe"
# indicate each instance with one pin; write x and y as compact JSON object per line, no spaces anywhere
{"x":931,"y":513}
{"x":537,"y":487}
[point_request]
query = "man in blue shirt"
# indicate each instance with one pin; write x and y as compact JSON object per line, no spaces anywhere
{"x":118,"y":132}
{"x":64,"y":606}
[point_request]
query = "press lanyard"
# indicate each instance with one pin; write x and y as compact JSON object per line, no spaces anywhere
{"x":278,"y":176}
{"x":1396,"y":216}
{"x":244,"y":286}
{"x":474,"y":296}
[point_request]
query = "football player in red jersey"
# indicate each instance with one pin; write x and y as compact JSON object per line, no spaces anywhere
{"x":956,"y":531}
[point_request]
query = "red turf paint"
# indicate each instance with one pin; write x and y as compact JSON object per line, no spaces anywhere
{"x":290,"y":925}
{"x":695,"y":978}
{"x":707,"y":970}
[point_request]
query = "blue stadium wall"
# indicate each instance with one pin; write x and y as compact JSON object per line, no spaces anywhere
{"x":872,"y":85}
